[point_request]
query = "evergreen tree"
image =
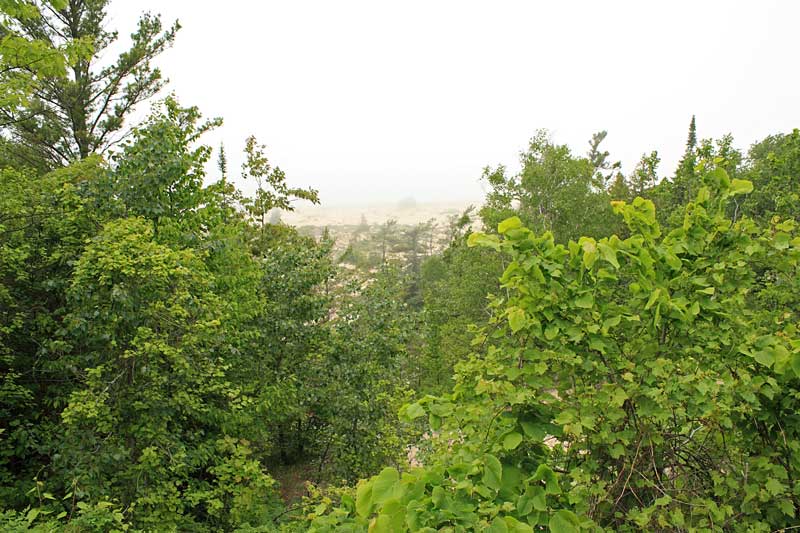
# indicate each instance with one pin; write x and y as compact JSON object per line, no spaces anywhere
{"x":387,"y":238}
{"x":363,"y":226}
{"x":685,"y":174}
{"x":222,"y":163}
{"x":83,"y":112}
{"x":603,"y":169}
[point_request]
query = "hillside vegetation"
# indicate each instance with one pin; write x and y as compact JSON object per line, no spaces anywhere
{"x":590,"y":350}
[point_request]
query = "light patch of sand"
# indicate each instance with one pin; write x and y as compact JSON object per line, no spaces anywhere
{"x":322,"y":215}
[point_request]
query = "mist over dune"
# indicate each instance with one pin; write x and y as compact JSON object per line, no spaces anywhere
{"x":374,"y":212}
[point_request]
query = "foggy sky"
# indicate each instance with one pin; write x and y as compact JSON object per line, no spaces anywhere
{"x":373,"y":101}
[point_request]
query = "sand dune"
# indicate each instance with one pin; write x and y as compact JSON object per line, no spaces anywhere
{"x":406,"y":213}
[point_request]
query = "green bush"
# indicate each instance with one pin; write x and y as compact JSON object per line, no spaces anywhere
{"x":644,"y":384}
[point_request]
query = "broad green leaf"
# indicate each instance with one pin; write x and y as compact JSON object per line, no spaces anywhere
{"x":364,"y":498}
{"x":516,"y":319}
{"x":32,"y":514}
{"x":508,"y":224}
{"x":741,"y":186}
{"x":585,"y":301}
{"x":589,"y":247}
{"x":492,"y":472}
{"x":481,"y":239}
{"x":766,"y":357}
{"x":498,"y":526}
{"x":539,"y":498}
{"x":383,"y":485}
{"x":787,"y":507}
{"x":611,"y":322}
{"x":720,"y":176}
{"x":391,"y":518}
{"x":617,"y":451}
{"x":673,"y":261}
{"x":512,"y":440}
{"x":653,"y":297}
{"x":662,"y":501}
{"x":512,"y":477}
{"x":677,"y":517}
{"x":774,"y":487}
{"x":515,"y":526}
{"x":618,"y":397}
{"x":781,"y":240}
{"x":414,"y":410}
{"x":438,"y":497}
{"x":564,"y":417}
{"x":564,"y":521}
{"x":532,"y":429}
{"x":796,"y":363}
{"x":525,"y":504}
{"x":546,"y":474}
{"x":608,"y":253}
{"x":645,"y":209}
{"x":597,"y":343}
{"x":484,"y":491}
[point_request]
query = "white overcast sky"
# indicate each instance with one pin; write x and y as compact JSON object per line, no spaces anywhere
{"x":374,"y":101}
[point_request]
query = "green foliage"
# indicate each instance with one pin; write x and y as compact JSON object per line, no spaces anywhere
{"x":154,"y":401}
{"x":272,"y":191}
{"x":44,"y":223}
{"x":645,"y":175}
{"x":773,"y":167}
{"x":63,"y":106}
{"x":26,"y":58}
{"x":159,"y":174}
{"x":168,"y":349}
{"x":103,"y":516}
{"x":555,"y":191}
{"x":630,"y":384}
{"x":603,"y":168}
{"x":161,"y":352}
{"x":455,"y":288}
{"x":367,"y":377}
{"x":671,"y":195}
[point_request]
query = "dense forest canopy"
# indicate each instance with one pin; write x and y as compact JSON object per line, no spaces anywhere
{"x":589,"y":350}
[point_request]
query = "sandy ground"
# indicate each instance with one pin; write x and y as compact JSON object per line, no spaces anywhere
{"x":406,"y":213}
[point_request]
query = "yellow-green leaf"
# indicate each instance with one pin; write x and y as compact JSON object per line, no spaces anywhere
{"x":741,"y":186}
{"x":481,"y":239}
{"x":585,"y":301}
{"x":516,"y":318}
{"x":364,"y":498}
{"x":508,"y":224}
{"x":608,"y":253}
{"x":383,"y":485}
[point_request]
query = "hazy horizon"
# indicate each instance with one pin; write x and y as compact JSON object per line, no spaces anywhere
{"x":371,"y":103}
